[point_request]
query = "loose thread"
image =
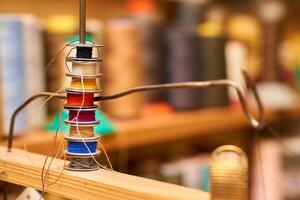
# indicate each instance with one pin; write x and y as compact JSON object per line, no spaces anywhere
{"x":29,"y":118}
{"x":57,"y":155}
{"x":279,"y":140}
{"x":106,"y":156}
{"x":79,"y":130}
{"x":257,"y":140}
{"x":50,"y":151}
{"x":58,"y":53}
{"x":61,"y":173}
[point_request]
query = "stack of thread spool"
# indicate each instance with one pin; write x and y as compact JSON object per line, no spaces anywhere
{"x":85,"y":75}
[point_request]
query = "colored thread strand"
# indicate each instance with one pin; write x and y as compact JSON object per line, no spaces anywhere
{"x":30,"y":118}
{"x":61,"y":147}
{"x":106,"y":155}
{"x":82,"y":137}
{"x":57,"y":54}
{"x":50,"y":151}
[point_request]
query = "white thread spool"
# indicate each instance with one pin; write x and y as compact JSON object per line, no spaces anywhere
{"x":85,"y":68}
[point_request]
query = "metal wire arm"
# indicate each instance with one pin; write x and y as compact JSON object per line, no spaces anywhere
{"x":256,"y":124}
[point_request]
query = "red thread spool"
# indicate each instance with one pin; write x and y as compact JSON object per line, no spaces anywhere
{"x":82,"y":115}
{"x":80,"y":99}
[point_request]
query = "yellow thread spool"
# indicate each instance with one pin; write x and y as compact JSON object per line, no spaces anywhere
{"x":85,"y":131}
{"x":84,"y":84}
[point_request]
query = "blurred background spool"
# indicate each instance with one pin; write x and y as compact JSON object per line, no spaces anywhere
{"x":229,"y":174}
{"x":271,"y":14}
{"x":84,"y":131}
{"x":123,"y":67}
{"x":58,"y":29}
{"x":145,"y":14}
{"x":212,"y":56}
{"x":182,"y":56}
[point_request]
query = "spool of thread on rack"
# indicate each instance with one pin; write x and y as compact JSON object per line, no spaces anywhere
{"x":81,"y":142}
{"x":85,"y":68}
{"x":82,"y":115}
{"x":81,"y":131}
{"x":77,"y":99}
{"x":86,"y":84}
{"x":82,"y":163}
{"x":79,"y":147}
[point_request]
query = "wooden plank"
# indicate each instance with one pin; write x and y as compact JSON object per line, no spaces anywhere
{"x":148,"y":131}
{"x":24,"y":169}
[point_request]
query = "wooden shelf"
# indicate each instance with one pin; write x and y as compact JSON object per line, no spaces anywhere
{"x":169,"y":128}
{"x":100,"y":184}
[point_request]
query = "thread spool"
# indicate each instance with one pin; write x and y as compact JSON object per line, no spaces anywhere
{"x":213,"y":58}
{"x":123,"y":67}
{"x":84,"y":84}
{"x":58,"y":29}
{"x":81,"y":147}
{"x":82,"y":115}
{"x":144,"y":13}
{"x":85,"y":68}
{"x":184,"y":65}
{"x":84,"y":131}
{"x":77,"y":99}
{"x":77,"y":147}
{"x":80,"y":123}
{"x":82,"y":163}
{"x":229,"y":174}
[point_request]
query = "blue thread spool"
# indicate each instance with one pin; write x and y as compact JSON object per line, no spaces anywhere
{"x":81,"y":148}
{"x":77,"y":147}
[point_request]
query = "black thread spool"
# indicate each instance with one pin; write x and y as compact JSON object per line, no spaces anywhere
{"x":212,"y":57}
{"x":183,"y":64}
{"x":151,"y":39}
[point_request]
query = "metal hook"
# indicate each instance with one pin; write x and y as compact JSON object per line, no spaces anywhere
{"x":256,"y":124}
{"x":20,"y":108}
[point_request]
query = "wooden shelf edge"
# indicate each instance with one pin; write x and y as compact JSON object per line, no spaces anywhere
{"x":174,"y":127}
{"x":17,"y":168}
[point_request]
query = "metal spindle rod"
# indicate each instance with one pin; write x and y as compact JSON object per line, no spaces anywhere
{"x":82,"y":21}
